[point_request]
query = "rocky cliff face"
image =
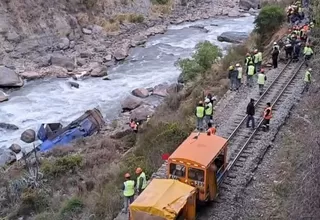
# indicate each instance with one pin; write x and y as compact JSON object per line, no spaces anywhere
{"x":66,"y":37}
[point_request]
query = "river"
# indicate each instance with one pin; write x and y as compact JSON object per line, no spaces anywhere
{"x":52,"y":100}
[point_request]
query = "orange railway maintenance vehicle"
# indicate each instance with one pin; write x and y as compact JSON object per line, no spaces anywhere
{"x":193,"y":171}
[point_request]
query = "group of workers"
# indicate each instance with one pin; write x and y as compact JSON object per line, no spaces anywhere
{"x":204,"y":114}
{"x":131,"y":187}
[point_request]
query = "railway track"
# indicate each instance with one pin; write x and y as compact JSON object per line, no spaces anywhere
{"x":242,"y":139}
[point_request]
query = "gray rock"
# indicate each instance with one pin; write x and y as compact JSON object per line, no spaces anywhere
{"x":7,"y":156}
{"x":15,"y":148}
{"x":233,"y":13}
{"x":247,"y":4}
{"x":3,"y":96}
{"x":233,"y":37}
{"x":28,"y":136}
{"x":74,"y":84}
{"x":96,"y":29}
{"x":8,"y":126}
{"x":31,"y":75}
{"x":141,"y":113}
{"x":9,"y":78}
{"x":62,"y":61}
{"x":86,"y":54}
{"x":200,"y":27}
{"x":140,"y":92}
{"x":181,"y":78}
{"x":64,"y":43}
{"x":43,"y":61}
{"x":81,"y":62}
{"x":107,"y":58}
{"x":130,"y":103}
{"x":138,"y":40}
{"x":160,"y":90}
{"x":100,"y":49}
{"x":86,"y":31}
{"x":99,"y":71}
{"x":13,"y":36}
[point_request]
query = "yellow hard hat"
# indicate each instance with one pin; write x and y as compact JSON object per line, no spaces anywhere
{"x":231,"y":67}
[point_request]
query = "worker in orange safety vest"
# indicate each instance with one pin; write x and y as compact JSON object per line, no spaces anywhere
{"x":267,"y":115}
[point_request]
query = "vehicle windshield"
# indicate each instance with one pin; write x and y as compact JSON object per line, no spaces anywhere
{"x":196,"y":174}
{"x":177,"y":170}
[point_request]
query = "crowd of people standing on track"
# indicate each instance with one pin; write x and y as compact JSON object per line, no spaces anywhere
{"x":296,"y":39}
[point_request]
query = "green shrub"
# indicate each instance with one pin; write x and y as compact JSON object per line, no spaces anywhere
{"x":269,"y":20}
{"x":160,"y":2}
{"x":133,"y":18}
{"x":71,"y":207}
{"x":206,"y":53}
{"x":62,"y":165}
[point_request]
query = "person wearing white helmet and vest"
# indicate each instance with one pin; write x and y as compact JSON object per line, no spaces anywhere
{"x":208,"y":111}
{"x":199,"y":112}
{"x":261,"y":81}
{"x":128,"y":191}
{"x":240,"y":74}
{"x":141,"y":180}
{"x":307,"y":80}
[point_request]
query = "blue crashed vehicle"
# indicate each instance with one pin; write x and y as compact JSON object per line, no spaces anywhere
{"x":54,"y":134}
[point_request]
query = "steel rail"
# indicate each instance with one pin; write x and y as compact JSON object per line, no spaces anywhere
{"x":230,"y":165}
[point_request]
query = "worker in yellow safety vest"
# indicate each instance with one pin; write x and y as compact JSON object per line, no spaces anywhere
{"x":248,"y":61}
{"x":257,"y":58}
{"x":128,"y":191}
{"x":261,"y":80}
{"x":141,"y":180}
{"x":307,"y":80}
{"x":250,"y":75}
{"x":199,"y":112}
{"x":307,"y":52}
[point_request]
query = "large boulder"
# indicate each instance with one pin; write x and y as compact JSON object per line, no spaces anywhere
{"x":28,"y":136}
{"x":8,"y":126}
{"x":140,"y":92}
{"x":141,"y":113}
{"x":15,"y":148}
{"x":7,"y":157}
{"x":74,"y":84}
{"x":99,"y":71}
{"x":130,"y":103}
{"x":247,"y":4}
{"x":9,"y":78}
{"x":62,"y":61}
{"x":160,"y":90}
{"x":31,"y":75}
{"x":3,"y":97}
{"x":233,"y":37}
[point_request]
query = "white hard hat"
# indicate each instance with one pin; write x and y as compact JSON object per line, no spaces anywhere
{"x":206,"y":100}
{"x":274,"y":43}
{"x":238,"y":64}
{"x":309,"y":69}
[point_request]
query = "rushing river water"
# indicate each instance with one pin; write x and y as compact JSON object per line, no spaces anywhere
{"x":52,"y":100}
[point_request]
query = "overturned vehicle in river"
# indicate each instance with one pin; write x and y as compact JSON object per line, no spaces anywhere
{"x":54,"y":134}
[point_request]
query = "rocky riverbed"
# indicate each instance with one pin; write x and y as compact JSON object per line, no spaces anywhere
{"x":52,"y":100}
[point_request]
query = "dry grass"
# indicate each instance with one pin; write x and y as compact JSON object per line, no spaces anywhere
{"x":158,"y":9}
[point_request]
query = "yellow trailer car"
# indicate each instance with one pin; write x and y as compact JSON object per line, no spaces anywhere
{"x":165,"y":199}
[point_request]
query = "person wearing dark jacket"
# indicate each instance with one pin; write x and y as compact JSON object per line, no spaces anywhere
{"x":233,"y":76}
{"x":275,"y":54}
{"x":250,"y":113}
